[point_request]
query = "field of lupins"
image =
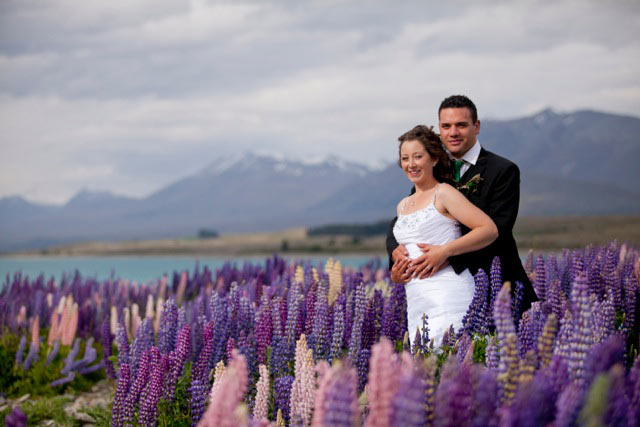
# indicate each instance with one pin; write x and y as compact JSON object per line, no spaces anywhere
{"x":298,"y":344}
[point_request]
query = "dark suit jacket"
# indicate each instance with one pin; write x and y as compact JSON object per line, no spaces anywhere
{"x":498,"y":195}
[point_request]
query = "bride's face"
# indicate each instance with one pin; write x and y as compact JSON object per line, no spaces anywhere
{"x":416,"y":162}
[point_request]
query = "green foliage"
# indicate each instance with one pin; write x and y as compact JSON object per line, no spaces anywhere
{"x":177,"y":412}
{"x":480,"y":343}
{"x":596,"y":402}
{"x":101,"y":415}
{"x":620,"y":315}
{"x":15,"y":381}
{"x":48,"y":409}
{"x":8,"y":347}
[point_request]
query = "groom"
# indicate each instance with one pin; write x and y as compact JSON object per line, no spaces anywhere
{"x":490,"y":182}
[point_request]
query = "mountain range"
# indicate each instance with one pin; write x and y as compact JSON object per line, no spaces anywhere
{"x":580,"y":163}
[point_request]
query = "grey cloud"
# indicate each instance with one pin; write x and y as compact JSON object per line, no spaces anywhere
{"x":132,"y":95}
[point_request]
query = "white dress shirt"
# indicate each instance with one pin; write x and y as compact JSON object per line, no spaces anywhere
{"x":470,"y":157}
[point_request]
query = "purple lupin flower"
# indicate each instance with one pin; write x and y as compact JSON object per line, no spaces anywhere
{"x":336,"y":401}
{"x":53,"y":353}
{"x":320,"y":325}
{"x":68,"y":362}
{"x":582,"y":337}
{"x":508,"y":367}
{"x":16,"y":418}
{"x":547,"y":339}
{"x":282,"y":393}
{"x":495,"y":273}
{"x":197,"y":393}
{"x":394,"y":316}
{"x":136,"y":388}
{"x":177,"y":359}
{"x":264,"y":331}
{"x":485,"y":396}
{"x":558,"y":373}
{"x":568,"y":406}
{"x":618,"y":403}
{"x":292,"y":314}
{"x":201,"y":366}
{"x":463,"y":345}
{"x":310,"y":303}
{"x":153,"y":392}
{"x":604,"y":356}
{"x":630,"y":298}
{"x":231,"y":344}
{"x":634,"y":391}
{"x":122,"y":388}
{"x":516,"y":303}
{"x":540,"y":279}
{"x":453,"y":400}
{"x":105,"y":335}
{"x":475,"y":318}
{"x":20,"y":352}
{"x":368,"y":325}
{"x":32,"y":356}
{"x":358,"y":319}
{"x":492,"y":357}
{"x":557,"y":299}
{"x":563,"y":341}
{"x":123,"y":345}
{"x":338,"y":329}
{"x":408,"y":404}
{"x":528,"y":263}
{"x":142,"y":342}
{"x":611,"y":276}
{"x":533,"y":405}
{"x":168,"y":327}
{"x":596,"y":284}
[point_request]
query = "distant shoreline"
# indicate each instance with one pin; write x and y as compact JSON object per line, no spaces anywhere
{"x":536,"y":233}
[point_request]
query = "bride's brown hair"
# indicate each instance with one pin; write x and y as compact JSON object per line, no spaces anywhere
{"x":432,"y":144}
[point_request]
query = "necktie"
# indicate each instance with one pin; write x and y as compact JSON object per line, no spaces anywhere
{"x":458,"y":165}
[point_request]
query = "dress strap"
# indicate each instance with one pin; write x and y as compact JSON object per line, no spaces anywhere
{"x":435,"y":192}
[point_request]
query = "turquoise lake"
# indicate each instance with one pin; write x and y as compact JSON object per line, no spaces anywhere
{"x":143,"y":269}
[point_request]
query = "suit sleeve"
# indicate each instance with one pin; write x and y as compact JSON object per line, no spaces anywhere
{"x":505,"y":199}
{"x":391,"y":241}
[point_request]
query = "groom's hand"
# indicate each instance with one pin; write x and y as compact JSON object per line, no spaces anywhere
{"x":399,"y":272}
{"x":433,"y":258}
{"x":399,"y":253}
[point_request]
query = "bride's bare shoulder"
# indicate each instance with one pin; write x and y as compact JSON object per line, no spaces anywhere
{"x":401,"y":205}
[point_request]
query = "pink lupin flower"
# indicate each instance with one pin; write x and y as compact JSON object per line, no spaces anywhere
{"x":383,"y":382}
{"x":135,"y":319}
{"x":149,"y":313}
{"x":21,"y":318}
{"x":303,"y":387}
{"x":70,"y":328}
{"x":113,"y":319}
{"x":225,"y":404}
{"x":54,"y":330}
{"x":182,"y":286}
{"x":261,"y":407}
{"x":35,"y":331}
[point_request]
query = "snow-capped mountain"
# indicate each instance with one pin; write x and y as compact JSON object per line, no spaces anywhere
{"x":571,"y":164}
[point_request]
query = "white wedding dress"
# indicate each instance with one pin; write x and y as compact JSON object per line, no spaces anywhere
{"x":445,"y":296}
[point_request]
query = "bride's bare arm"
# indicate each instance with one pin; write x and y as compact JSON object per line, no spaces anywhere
{"x":483,"y":232}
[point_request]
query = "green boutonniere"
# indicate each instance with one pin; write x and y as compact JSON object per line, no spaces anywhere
{"x":471,"y":186}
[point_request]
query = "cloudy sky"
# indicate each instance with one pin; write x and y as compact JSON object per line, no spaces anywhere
{"x":128,"y":96}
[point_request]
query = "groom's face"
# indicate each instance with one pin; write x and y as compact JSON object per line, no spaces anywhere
{"x":458,"y":132}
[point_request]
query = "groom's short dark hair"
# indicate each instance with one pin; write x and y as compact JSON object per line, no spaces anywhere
{"x":459,"y":101}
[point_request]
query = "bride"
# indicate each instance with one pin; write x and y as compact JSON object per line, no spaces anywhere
{"x":428,"y":224}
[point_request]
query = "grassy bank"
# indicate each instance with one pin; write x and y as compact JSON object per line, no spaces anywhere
{"x":539,"y":233}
